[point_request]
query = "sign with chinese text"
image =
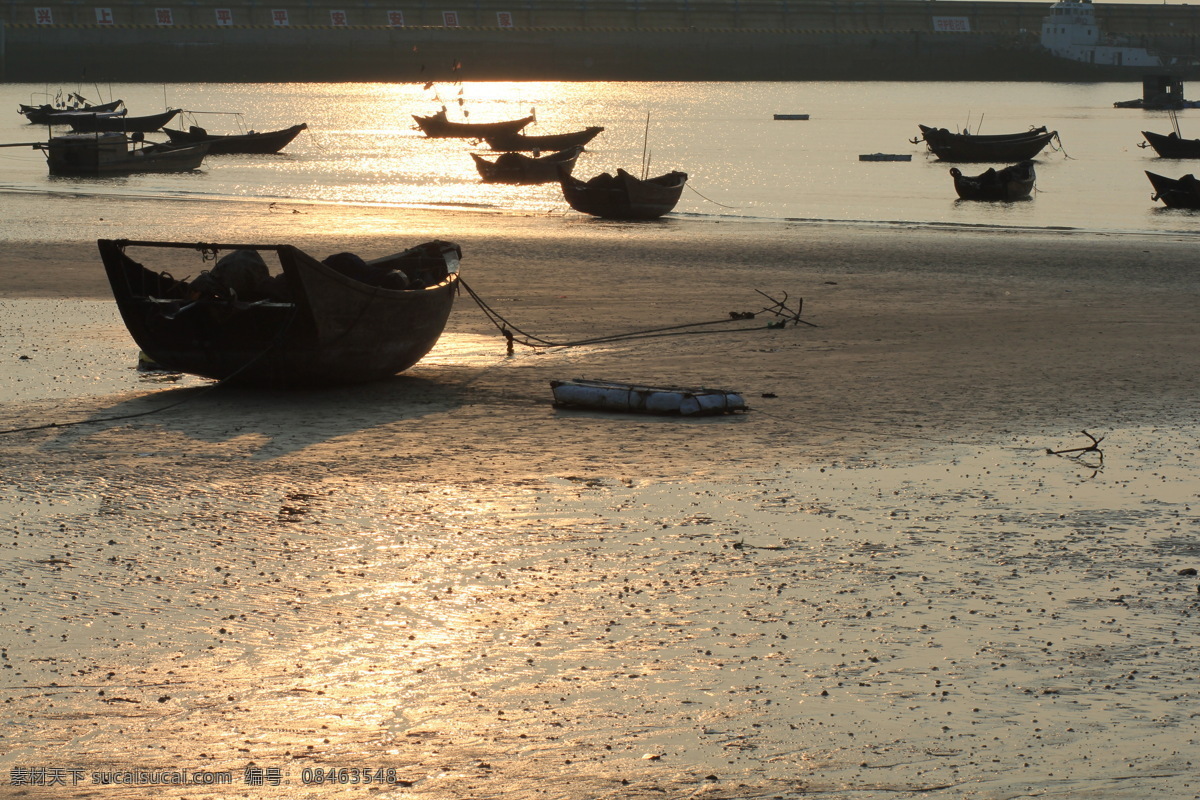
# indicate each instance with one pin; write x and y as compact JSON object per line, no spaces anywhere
{"x":224,"y":16}
{"x":450,"y":19}
{"x":43,"y":16}
{"x":163,"y":16}
{"x":104,"y":16}
{"x":396,"y":19}
{"x":504,"y":19}
{"x":279,"y":17}
{"x":952,"y":24}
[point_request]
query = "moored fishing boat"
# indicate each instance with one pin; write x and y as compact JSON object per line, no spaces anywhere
{"x":111,"y":153}
{"x":1011,"y":183}
{"x":1171,"y":145}
{"x":623,"y":196}
{"x":338,"y":321}
{"x":1175,"y":192}
{"x":523,"y":169}
{"x":87,"y":122}
{"x":994,"y":148}
{"x":522,"y":142}
{"x":253,"y":142}
{"x":439,"y":127}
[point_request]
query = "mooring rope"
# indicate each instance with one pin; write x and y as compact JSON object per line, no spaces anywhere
{"x":514,"y":335}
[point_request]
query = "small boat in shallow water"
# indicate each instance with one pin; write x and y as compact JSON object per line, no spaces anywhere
{"x":253,"y":142}
{"x":1002,"y":148}
{"x":520,"y":142}
{"x":523,"y":169}
{"x":100,"y":154}
{"x":631,"y":397}
{"x":438,"y":126}
{"x":338,"y":321}
{"x":1008,"y":184}
{"x":623,"y":196}
{"x":1176,"y":192}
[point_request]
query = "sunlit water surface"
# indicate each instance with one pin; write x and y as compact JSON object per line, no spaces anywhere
{"x":362,"y":148}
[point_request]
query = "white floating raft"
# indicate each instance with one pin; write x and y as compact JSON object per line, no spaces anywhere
{"x":612,"y":396}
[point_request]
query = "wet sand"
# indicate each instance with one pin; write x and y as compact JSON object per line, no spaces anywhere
{"x":875,"y":583}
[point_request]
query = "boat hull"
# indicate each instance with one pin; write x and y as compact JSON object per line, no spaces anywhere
{"x":265,"y":143}
{"x":1006,"y":185}
{"x":91,"y":123}
{"x":1172,"y":146}
{"x":438,"y":127}
{"x":521,"y":169}
{"x":996,"y":149}
{"x":329,"y":329}
{"x":623,"y":196}
{"x":102,"y":154}
{"x":522,"y":143}
{"x":1176,"y":192}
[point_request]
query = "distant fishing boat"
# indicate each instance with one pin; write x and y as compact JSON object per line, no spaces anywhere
{"x":439,"y":127}
{"x":522,"y":169}
{"x":993,"y":148}
{"x":1011,"y":183}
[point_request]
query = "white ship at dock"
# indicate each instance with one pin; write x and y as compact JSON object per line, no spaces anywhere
{"x":1070,"y":31}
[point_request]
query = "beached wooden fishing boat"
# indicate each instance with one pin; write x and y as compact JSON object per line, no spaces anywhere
{"x":1175,"y":192}
{"x":1170,"y":145}
{"x":523,"y":169}
{"x":88,"y":122}
{"x":630,"y":397}
{"x":254,"y":142}
{"x":623,"y":196}
{"x":1011,"y":183}
{"x":45,"y":113}
{"x":524,"y":143}
{"x":98,"y":154}
{"x":338,"y":321}
{"x":994,"y":148}
{"x":439,"y":127}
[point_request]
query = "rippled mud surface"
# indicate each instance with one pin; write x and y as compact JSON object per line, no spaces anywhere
{"x":442,"y":587}
{"x":1002,"y":623}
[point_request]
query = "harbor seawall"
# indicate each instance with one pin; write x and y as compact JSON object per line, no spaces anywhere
{"x":581,"y":40}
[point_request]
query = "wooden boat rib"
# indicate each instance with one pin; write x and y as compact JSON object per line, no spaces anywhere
{"x":520,"y":142}
{"x":263,"y":143}
{"x":90,"y":123}
{"x":1011,"y":183}
{"x":111,"y":153}
{"x":1175,"y":192}
{"x":312,"y":324}
{"x":623,"y":196}
{"x":1172,"y":146}
{"x":522,"y":169}
{"x":439,"y":127}
{"x":996,"y":148}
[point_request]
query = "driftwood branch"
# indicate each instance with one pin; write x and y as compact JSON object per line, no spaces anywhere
{"x":1077,"y":452}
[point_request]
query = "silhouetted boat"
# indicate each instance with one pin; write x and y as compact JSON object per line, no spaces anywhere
{"x":1011,"y":183}
{"x":44,"y":114}
{"x":623,"y":196}
{"x":520,"y":168}
{"x":87,"y":122}
{"x":520,"y":142}
{"x":996,"y":148}
{"x":1176,"y":192}
{"x":315,"y":323}
{"x":438,"y":127}
{"x":111,"y":153}
{"x":1172,"y":146}
{"x":224,"y":144}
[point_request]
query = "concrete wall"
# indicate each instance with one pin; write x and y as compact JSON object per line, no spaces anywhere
{"x":555,"y":40}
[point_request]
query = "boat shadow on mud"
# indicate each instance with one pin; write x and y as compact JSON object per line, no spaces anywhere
{"x":263,"y":424}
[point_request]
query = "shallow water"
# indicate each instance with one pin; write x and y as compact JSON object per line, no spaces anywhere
{"x":362,"y":149}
